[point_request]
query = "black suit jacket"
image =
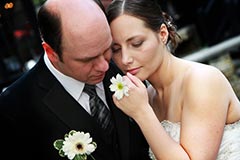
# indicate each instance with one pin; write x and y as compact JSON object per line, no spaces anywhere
{"x":36,"y":110}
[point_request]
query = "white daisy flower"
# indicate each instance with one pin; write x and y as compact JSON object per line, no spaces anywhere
{"x":76,"y":145}
{"x":119,"y":86}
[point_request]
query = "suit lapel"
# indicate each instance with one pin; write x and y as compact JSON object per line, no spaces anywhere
{"x":64,"y":106}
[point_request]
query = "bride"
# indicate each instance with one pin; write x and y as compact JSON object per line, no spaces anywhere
{"x":189,"y":111}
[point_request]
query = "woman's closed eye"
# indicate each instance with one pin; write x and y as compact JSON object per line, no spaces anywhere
{"x":116,"y":49}
{"x":137,"y":44}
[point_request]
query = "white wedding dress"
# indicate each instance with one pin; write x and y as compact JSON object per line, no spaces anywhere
{"x":230,"y":146}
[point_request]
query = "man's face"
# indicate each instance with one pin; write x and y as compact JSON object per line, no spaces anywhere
{"x":86,"y":42}
{"x":86,"y":57}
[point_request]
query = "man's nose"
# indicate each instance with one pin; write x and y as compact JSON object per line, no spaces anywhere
{"x":102,"y":64}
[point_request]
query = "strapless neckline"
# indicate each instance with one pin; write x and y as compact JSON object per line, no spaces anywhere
{"x":230,"y":146}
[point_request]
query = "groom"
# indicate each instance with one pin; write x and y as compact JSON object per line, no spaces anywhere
{"x":48,"y":101}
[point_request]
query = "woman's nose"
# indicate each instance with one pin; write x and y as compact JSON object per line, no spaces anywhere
{"x":126,"y":58}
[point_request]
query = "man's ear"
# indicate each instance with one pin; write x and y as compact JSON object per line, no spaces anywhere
{"x":163,"y":32}
{"x":52,"y":56}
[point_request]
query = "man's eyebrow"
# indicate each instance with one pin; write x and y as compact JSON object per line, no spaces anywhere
{"x":90,"y":58}
{"x":87,"y":58}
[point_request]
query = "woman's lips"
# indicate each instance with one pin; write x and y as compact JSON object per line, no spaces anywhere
{"x":134,"y":70}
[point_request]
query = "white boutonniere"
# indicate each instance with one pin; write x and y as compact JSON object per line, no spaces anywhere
{"x":75,"y":145}
{"x":119,"y":86}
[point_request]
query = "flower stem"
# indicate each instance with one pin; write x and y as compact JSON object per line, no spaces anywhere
{"x":92,"y":157}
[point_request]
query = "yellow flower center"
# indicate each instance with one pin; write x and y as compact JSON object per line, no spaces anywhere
{"x":120,"y":86}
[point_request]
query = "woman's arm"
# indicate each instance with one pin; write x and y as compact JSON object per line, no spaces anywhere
{"x":205,"y":106}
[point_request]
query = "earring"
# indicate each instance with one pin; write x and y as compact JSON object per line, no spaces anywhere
{"x":164,"y":41}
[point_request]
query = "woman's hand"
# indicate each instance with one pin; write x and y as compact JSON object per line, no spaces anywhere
{"x":137,"y":102}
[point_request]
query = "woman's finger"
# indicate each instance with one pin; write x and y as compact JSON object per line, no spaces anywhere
{"x":135,"y":80}
{"x":128,"y":81}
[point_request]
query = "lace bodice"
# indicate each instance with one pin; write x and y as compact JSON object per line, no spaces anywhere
{"x":230,"y":146}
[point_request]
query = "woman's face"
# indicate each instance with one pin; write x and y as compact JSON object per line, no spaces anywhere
{"x":136,"y":48}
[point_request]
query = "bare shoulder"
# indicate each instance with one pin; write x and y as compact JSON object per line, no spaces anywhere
{"x":199,"y":73}
{"x":206,"y":89}
{"x":206,"y":84}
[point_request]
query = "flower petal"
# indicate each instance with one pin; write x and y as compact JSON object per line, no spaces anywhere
{"x":119,"y":86}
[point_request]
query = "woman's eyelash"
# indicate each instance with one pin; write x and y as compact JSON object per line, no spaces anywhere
{"x":138,"y":44}
{"x":114,"y":50}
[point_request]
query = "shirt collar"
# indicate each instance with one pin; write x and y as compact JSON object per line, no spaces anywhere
{"x":71,"y":85}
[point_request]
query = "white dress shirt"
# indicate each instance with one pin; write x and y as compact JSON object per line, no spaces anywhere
{"x":75,"y":87}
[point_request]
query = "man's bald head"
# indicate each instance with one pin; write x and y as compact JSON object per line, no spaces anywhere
{"x":63,"y":21}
